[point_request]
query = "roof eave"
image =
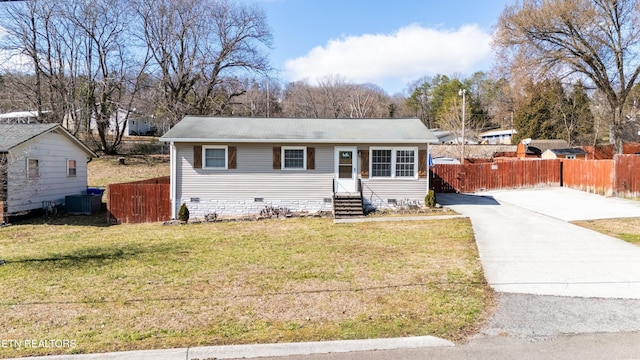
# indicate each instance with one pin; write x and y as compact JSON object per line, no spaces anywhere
{"x":310,"y":141}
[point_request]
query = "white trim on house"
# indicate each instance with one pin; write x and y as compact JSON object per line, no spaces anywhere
{"x":349,"y":185}
{"x":394,"y":158}
{"x":215,"y":147}
{"x":295,"y":141}
{"x":283,"y":165}
{"x":173,"y":178}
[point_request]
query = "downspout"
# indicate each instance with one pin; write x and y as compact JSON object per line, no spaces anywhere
{"x":428,"y":168}
{"x":172,"y":178}
{"x":4,"y":186}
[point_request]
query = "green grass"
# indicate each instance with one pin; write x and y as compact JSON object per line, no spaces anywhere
{"x":145,"y":286}
{"x":625,"y":229}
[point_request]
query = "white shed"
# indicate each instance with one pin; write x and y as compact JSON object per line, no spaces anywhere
{"x":39,"y":164}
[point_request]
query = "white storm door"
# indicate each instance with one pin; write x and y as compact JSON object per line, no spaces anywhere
{"x":346,"y":169}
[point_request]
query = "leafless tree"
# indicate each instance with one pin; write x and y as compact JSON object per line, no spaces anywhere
{"x":596,"y":40}
{"x":112,"y":73}
{"x":199,"y":48}
{"x":83,"y":63}
{"x":334,"y":97}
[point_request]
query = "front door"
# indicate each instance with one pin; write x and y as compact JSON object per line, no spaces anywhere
{"x":346,"y":169}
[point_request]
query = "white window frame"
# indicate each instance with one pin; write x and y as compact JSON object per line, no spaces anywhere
{"x":29,"y":177}
{"x":394,"y":154}
{"x":304,"y":157}
{"x":75,"y":174}
{"x":371,"y":162}
{"x":570,"y":157}
{"x":218,"y":147}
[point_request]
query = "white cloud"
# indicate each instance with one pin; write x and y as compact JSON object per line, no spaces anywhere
{"x":408,"y":54}
{"x":12,"y":61}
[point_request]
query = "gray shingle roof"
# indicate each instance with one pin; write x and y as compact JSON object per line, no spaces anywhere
{"x":294,"y":130}
{"x":12,"y":135}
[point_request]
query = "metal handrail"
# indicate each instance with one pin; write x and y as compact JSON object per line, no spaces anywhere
{"x":373,"y":193}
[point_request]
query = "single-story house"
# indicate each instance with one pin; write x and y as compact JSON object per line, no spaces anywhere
{"x":234,"y":166}
{"x":567,"y":153}
{"x":529,"y":148}
{"x":444,"y":136}
{"x":22,"y":117}
{"x":133,"y":123}
{"x":40,"y":164}
{"x":497,"y":137}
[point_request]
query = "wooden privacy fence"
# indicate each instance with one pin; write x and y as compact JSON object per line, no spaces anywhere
{"x":494,"y":176}
{"x":594,"y":176}
{"x":140,"y":201}
{"x":617,"y":177}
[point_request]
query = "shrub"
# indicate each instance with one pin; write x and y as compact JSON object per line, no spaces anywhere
{"x":430,"y":199}
{"x":183,"y":213}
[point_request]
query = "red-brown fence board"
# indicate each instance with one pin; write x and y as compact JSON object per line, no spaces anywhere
{"x":139,"y":202}
{"x":618,"y":177}
{"x":627,"y":175}
{"x":494,"y":176}
{"x":595,"y":176}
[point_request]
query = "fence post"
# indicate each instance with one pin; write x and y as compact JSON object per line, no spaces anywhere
{"x":561,"y":173}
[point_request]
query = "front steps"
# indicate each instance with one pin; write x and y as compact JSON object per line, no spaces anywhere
{"x":347,"y":206}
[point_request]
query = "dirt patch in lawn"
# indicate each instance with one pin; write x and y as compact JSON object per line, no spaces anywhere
{"x":627,"y":229}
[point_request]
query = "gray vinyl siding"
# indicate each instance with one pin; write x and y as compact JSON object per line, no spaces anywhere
{"x":381,"y":190}
{"x":52,"y":151}
{"x":254,"y":176}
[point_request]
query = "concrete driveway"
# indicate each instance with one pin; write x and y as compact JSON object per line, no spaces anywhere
{"x":527,"y":245}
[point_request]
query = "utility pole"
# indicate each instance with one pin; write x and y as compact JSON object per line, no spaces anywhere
{"x":463,"y":93}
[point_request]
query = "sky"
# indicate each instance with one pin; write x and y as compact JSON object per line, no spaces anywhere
{"x":386,"y":43}
{"x":389,"y":43}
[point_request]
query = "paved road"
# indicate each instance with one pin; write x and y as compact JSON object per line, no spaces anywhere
{"x":585,"y":346}
{"x":527,"y":246}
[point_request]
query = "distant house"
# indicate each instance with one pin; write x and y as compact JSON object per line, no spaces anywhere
{"x":534,"y":148}
{"x":495,"y":137}
{"x":568,"y":153}
{"x":39,"y":164}
{"x":234,"y":166}
{"x":132,"y":123}
{"x":444,"y":137}
{"x":22,"y":117}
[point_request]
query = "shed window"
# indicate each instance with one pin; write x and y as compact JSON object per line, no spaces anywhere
{"x":71,"y":168}
{"x":215,"y":157}
{"x":294,"y":158}
{"x":32,"y":169}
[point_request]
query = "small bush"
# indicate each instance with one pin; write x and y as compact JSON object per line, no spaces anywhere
{"x":183,"y":213}
{"x":430,"y":199}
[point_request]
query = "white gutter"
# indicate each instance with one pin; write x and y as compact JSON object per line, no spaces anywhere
{"x":300,"y":141}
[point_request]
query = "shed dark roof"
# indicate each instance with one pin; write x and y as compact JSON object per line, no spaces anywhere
{"x":544,"y":145}
{"x":295,"y":130}
{"x":568,"y":151}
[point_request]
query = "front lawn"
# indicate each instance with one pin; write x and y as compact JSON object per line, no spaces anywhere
{"x":109,"y":288}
